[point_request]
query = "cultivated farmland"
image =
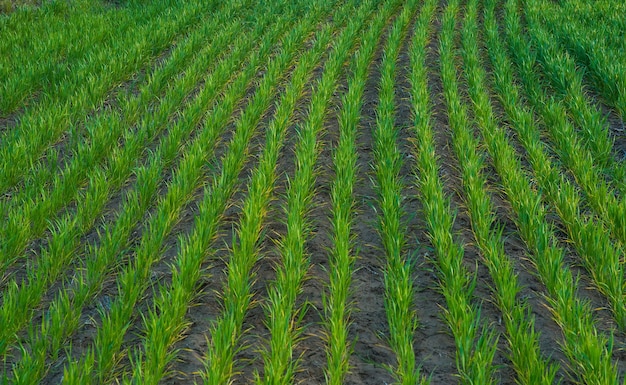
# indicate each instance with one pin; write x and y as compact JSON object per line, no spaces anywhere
{"x":319,"y":191}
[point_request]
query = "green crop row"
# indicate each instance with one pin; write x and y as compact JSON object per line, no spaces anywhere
{"x":64,"y":312}
{"x":30,"y":212}
{"x":188,"y":177}
{"x":389,"y":185}
{"x":342,"y":255}
{"x":588,"y":351}
{"x":165,"y":322}
{"x":476,"y":343}
{"x":283,"y":317}
{"x":83,"y":91}
{"x":599,"y":255}
{"x":65,"y":235}
{"x":523,"y":339}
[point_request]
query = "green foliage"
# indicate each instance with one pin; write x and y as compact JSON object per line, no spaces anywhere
{"x":599,"y":255}
{"x":523,"y":339}
{"x":399,"y":290}
{"x":588,"y":350}
{"x":283,"y":315}
{"x":128,"y":124}
{"x":475,"y":343}
{"x":337,"y":305}
{"x":593,"y":32}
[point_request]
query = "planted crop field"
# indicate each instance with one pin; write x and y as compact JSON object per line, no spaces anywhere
{"x":313,"y":191}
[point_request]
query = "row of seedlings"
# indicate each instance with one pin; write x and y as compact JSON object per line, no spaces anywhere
{"x":165,"y":322}
{"x":30,"y":64}
{"x":342,"y":255}
{"x":600,"y":256}
{"x":529,"y":364}
{"x":31,"y":210}
{"x":65,"y":310}
{"x":283,"y":316}
{"x":64,"y":241}
{"x":587,"y":350}
{"x":103,"y":356}
{"x":80,"y":93}
{"x":475,"y":344}
{"x":388,"y":184}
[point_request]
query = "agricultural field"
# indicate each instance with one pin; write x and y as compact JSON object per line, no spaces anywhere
{"x":313,"y":191}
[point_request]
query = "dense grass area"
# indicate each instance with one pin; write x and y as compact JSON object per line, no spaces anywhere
{"x":326,"y":191}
